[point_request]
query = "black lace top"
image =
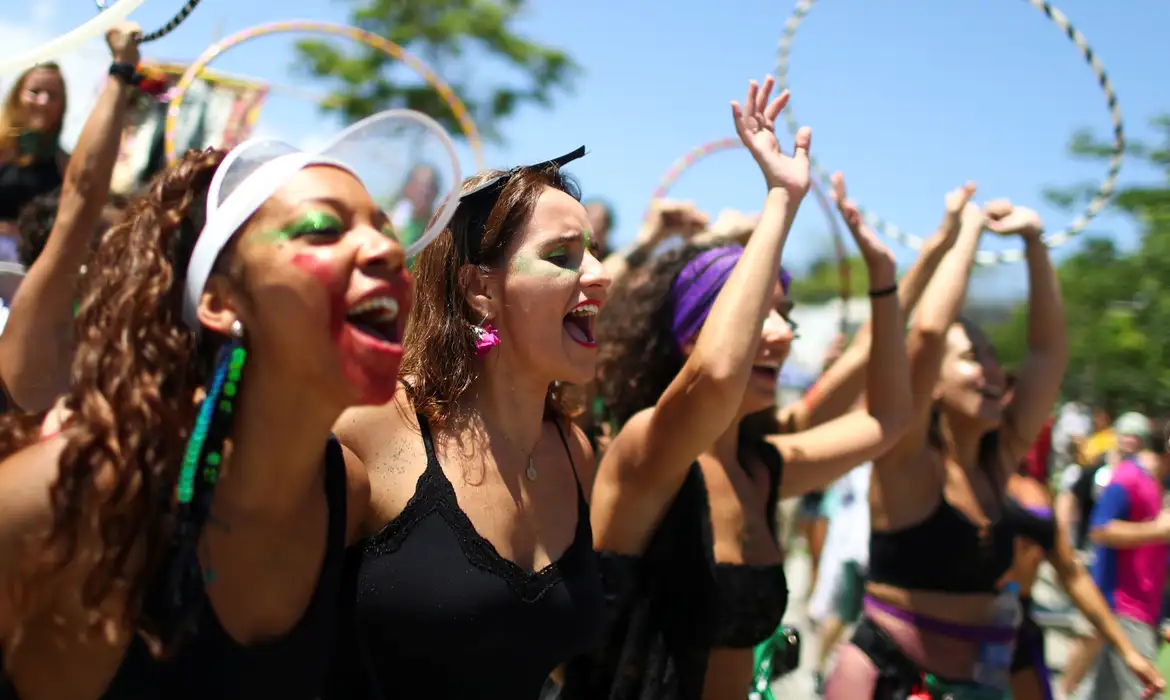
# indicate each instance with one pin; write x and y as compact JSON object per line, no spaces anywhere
{"x":666,"y":610}
{"x":440,"y":614}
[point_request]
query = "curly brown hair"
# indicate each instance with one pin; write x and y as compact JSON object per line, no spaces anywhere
{"x":639,"y":355}
{"x":135,"y":374}
{"x":439,"y":357}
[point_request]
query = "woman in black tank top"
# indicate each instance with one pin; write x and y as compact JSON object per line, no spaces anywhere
{"x":935,"y":621}
{"x":477,"y":577}
{"x":31,"y":159}
{"x":198,"y":505}
{"x":685,"y":495}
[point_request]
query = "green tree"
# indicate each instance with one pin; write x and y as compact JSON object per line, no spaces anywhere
{"x":1117,"y":303}
{"x":442,"y":33}
{"x":821,"y":281}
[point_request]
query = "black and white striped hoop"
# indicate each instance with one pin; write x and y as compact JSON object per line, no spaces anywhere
{"x":167,"y":28}
{"x":984,"y":257}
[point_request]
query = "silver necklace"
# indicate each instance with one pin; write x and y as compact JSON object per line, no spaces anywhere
{"x":530,"y":470}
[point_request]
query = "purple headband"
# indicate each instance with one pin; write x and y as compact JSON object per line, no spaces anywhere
{"x":696,"y":286}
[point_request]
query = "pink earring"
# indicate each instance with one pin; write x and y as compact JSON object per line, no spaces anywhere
{"x":486,"y":338}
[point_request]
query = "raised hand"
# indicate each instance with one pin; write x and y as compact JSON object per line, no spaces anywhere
{"x":955,"y":203}
{"x":730,"y":227}
{"x":755,"y":122}
{"x":669,"y":217}
{"x":873,"y":251}
{"x":122,"y":39}
{"x":1008,"y":219}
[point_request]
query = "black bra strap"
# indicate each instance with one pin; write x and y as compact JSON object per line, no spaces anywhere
{"x":569,"y":452}
{"x":336,"y":494}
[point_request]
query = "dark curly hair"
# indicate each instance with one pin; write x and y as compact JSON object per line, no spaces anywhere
{"x":132,"y":404}
{"x":439,"y":357}
{"x":639,"y":355}
{"x":36,"y":221}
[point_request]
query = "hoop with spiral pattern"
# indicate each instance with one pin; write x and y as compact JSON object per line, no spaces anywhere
{"x":314,"y":27}
{"x":308,"y":26}
{"x":167,"y":28}
{"x":698,"y":153}
{"x":984,"y":257}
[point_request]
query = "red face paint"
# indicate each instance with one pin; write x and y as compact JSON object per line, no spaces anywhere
{"x":368,"y":364}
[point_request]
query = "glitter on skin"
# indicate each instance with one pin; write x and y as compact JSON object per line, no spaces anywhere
{"x":311,"y":223}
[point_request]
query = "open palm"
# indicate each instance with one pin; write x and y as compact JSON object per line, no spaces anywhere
{"x":873,"y":251}
{"x":755,"y":122}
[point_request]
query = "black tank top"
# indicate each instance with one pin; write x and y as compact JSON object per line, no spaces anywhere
{"x":945,"y":552}
{"x":440,"y":614}
{"x":667,"y":609}
{"x":210,"y":664}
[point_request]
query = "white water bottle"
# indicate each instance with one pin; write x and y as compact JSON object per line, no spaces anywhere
{"x":994,"y":666}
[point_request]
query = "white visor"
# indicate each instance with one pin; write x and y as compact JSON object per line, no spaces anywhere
{"x":380,"y":151}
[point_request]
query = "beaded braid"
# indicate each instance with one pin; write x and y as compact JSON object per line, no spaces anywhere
{"x":177,"y":600}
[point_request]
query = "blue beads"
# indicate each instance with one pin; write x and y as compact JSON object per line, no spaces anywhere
{"x":220,"y":397}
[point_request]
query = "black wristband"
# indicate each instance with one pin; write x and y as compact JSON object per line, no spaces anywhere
{"x":879,"y":293}
{"x":127,"y":73}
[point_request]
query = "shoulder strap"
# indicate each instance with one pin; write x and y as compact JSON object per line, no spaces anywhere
{"x":336,"y":494}
{"x":569,"y":452}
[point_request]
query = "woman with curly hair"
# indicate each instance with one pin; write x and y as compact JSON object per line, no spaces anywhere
{"x":186,"y":499}
{"x":478,"y":544}
{"x":684,"y":496}
{"x":935,"y":621}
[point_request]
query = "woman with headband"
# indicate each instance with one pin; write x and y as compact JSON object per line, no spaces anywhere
{"x":478,"y":577}
{"x":935,"y":622}
{"x":193,"y":505}
{"x":685,"y":496}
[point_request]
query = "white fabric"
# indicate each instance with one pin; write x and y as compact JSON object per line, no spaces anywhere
{"x":847,"y":538}
{"x":224,"y":219}
{"x":1072,"y":422}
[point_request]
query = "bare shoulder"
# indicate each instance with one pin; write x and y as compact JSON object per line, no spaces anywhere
{"x":26,"y":513}
{"x":363,"y":428}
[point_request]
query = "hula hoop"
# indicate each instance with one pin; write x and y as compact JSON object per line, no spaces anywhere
{"x":72,"y":39}
{"x":698,"y":153}
{"x":167,"y":28}
{"x":984,"y":257}
{"x":369,"y":39}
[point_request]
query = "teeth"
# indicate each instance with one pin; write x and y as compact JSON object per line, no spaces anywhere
{"x":385,"y":307}
{"x":587,"y":310}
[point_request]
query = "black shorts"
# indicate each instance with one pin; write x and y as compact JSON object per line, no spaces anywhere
{"x":1030,"y":650}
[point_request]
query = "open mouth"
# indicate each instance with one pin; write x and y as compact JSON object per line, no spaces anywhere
{"x":991,"y":392}
{"x":377,"y":317}
{"x":579,"y":323}
{"x":766,"y":371}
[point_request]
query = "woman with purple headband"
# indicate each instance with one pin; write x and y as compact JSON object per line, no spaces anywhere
{"x":684,"y":498}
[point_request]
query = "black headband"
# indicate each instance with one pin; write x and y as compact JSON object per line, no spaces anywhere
{"x":477,"y":204}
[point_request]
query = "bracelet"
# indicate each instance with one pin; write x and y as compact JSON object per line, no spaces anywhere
{"x":879,"y":293}
{"x":127,"y":73}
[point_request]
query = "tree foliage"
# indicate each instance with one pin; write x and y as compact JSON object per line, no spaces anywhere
{"x":1117,"y":303}
{"x":451,"y":37}
{"x":821,"y":281}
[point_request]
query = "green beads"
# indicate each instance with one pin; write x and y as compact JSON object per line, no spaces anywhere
{"x":220,"y":400}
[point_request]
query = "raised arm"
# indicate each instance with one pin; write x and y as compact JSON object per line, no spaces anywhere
{"x":654,"y":448}
{"x":37,"y":346}
{"x":839,"y":387}
{"x":1043,"y":368}
{"x":814,"y":458}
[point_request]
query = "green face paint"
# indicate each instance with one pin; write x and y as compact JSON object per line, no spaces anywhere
{"x":312,"y":223}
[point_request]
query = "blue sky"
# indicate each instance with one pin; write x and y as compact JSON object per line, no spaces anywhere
{"x":909,"y":97}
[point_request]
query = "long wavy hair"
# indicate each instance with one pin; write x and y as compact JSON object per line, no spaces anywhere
{"x":988,"y":455}
{"x":640,"y":357}
{"x":135,"y":374}
{"x":12,"y":117}
{"x":439,"y":357}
